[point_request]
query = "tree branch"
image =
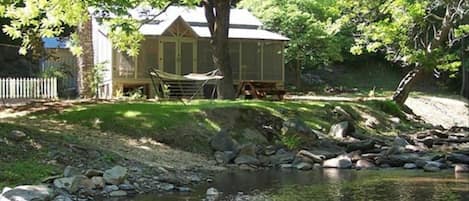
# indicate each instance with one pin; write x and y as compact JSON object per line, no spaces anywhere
{"x":209,"y":14}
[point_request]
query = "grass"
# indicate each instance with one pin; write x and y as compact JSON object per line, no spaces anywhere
{"x":22,"y":172}
{"x":174,"y":123}
{"x":23,"y":163}
{"x":186,"y":127}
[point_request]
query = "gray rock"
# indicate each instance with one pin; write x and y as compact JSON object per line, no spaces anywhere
{"x":166,"y":186}
{"x":254,"y":136}
{"x":73,"y":184}
{"x":458,"y":158}
{"x":282,"y":157}
{"x":399,"y":141}
{"x":110,"y":188}
{"x":286,"y":166}
{"x":410,"y":166}
{"x":398,"y":160}
{"x":431,"y":167}
{"x":184,"y":189}
{"x":115,"y":175}
{"x":224,"y":142}
{"x":98,"y":182}
{"x":304,"y":166}
{"x":5,"y":190}
{"x":364,"y":164}
{"x":246,"y":159}
{"x":126,"y":187}
{"x":212,"y":194}
{"x":93,"y":173}
{"x":461,"y":168}
{"x":224,"y":157}
{"x":62,"y":198}
{"x":270,"y":150}
{"x":248,"y":149}
{"x":70,"y":171}
{"x":64,"y":183}
{"x":28,"y":193}
{"x":17,"y":135}
{"x":341,"y":162}
{"x":340,"y":130}
{"x":118,"y":193}
{"x":297,"y":127}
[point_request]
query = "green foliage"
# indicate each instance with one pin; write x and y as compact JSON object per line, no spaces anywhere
{"x":389,"y":107}
{"x":314,"y":36}
{"x":409,"y":32}
{"x":291,"y":141}
{"x":97,"y":77}
{"x":33,"y":19}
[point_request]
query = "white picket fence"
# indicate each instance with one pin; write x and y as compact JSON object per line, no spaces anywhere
{"x":28,"y":88}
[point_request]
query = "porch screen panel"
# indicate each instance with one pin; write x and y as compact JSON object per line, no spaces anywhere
{"x":125,"y":65}
{"x":204,"y":57}
{"x":169,"y":57}
{"x":234,"y":59}
{"x":148,"y":57}
{"x":272,"y":61}
{"x":251,"y":65}
{"x":187,"y":58}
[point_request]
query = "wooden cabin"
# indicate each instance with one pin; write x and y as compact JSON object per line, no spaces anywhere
{"x":178,"y":42}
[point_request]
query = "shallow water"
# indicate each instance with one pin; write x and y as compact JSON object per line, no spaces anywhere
{"x":333,"y":184}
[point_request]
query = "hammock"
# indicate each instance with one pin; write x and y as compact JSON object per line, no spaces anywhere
{"x":212,"y":75}
{"x":166,"y":78}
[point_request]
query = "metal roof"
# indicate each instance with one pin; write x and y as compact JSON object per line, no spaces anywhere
{"x":195,"y":14}
{"x":243,"y":25}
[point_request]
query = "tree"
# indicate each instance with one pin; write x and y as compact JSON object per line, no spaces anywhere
{"x":315,"y":38}
{"x":423,"y":34}
{"x":32,"y":20}
{"x":217,"y":13}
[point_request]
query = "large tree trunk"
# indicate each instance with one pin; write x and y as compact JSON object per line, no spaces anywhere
{"x":217,"y":13}
{"x":402,"y":92}
{"x":85,"y":60}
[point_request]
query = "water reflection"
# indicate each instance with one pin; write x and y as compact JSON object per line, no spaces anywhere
{"x":334,"y":185}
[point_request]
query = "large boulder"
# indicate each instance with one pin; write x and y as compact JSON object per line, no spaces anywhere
{"x":282,"y":157}
{"x":115,"y":175}
{"x":461,"y":168}
{"x":71,"y":171}
{"x":28,"y":193}
{"x":254,"y":136}
{"x":341,"y":162}
{"x":398,"y":160}
{"x":458,"y":158}
{"x":364,"y":164}
{"x":224,"y":157}
{"x":247,"y":160}
{"x":298,"y":128}
{"x":431,"y":167}
{"x":304,"y":166}
{"x":73,"y":184}
{"x":341,"y":130}
{"x":17,"y":135}
{"x":224,"y":142}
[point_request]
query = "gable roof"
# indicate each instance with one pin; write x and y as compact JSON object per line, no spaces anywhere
{"x":243,"y":25}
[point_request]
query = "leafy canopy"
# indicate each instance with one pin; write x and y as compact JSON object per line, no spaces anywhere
{"x":32,"y":20}
{"x":423,"y":33}
{"x":314,"y":37}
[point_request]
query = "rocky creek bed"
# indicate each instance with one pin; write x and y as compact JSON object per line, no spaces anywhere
{"x":343,"y":147}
